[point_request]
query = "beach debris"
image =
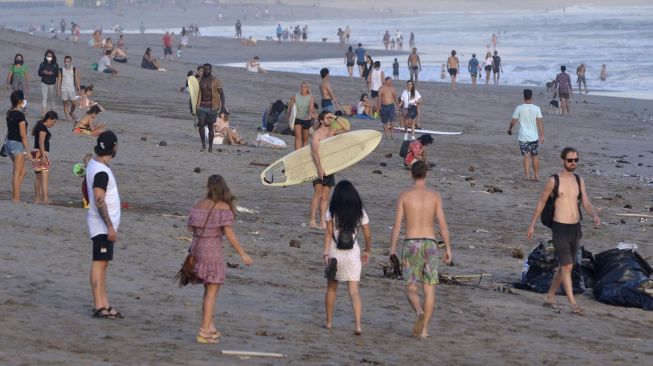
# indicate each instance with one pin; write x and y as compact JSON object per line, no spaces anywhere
{"x":255,"y":232}
{"x":471,"y":168}
{"x":371,"y":362}
{"x":388,"y":155}
{"x":197,"y":170}
{"x":462,"y":279}
{"x":471,"y":247}
{"x":143,"y":138}
{"x":294,"y":243}
{"x":456,"y":311}
{"x":635,"y":215}
{"x":481,"y":231}
{"x":517,"y":253}
{"x":383,"y":164}
{"x":184,"y":238}
{"x":377,"y":172}
{"x":256,"y":163}
{"x":262,"y":333}
{"x":628,"y":206}
{"x":467,"y":179}
{"x":622,"y":161}
{"x":163,"y":143}
{"x":242,"y":209}
{"x":253,"y":354}
{"x":493,"y":189}
{"x":622,"y":221}
{"x":504,"y":289}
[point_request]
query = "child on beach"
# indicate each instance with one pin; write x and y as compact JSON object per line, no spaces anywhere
{"x":345,"y":215}
{"x":210,"y":219}
{"x":79,"y":170}
{"x":40,"y":160}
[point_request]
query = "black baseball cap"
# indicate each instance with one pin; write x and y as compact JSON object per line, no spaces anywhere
{"x":106,"y":143}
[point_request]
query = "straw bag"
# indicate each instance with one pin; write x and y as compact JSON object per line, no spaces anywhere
{"x":187,"y":273}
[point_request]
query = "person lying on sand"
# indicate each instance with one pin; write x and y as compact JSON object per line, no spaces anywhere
{"x":85,"y":125}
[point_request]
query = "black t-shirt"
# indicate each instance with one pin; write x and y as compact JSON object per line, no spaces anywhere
{"x":14,"y":118}
{"x":37,"y":131}
{"x":52,"y":67}
{"x":101,"y":180}
{"x":496,"y":61}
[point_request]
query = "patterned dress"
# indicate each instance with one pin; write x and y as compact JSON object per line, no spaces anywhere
{"x":349,"y":261}
{"x":207,"y":243}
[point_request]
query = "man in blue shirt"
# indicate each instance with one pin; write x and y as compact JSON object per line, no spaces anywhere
{"x":473,"y":69}
{"x":279,"y":32}
{"x":360,"y":59}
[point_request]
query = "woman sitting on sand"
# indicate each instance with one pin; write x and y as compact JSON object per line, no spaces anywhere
{"x":210,"y":219}
{"x":97,"y":39}
{"x":85,"y":125}
{"x":150,"y":62}
{"x":345,"y":215}
{"x":84,"y":101}
{"x":222,"y":129}
{"x":254,"y":65}
{"x":364,"y":106}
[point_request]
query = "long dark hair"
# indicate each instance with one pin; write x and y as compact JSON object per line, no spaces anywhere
{"x":218,"y":190}
{"x":21,"y":57}
{"x":48,"y":116}
{"x":346,"y":206}
{"x":16,"y":97}
{"x":148,"y":51}
{"x":54,"y":57}
{"x":412,"y":89}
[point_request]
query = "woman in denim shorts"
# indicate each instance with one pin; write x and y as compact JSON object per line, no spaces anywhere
{"x":16,"y":145}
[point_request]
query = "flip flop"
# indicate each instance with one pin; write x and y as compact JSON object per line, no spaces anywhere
{"x":204,"y":340}
{"x":551,"y":305}
{"x":116,"y":314}
{"x":577,"y":310}
{"x":103,"y":313}
{"x":419,"y":325}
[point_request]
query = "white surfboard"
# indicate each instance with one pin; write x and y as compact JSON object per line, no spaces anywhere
{"x":292,"y":115}
{"x":194,"y":92}
{"x":430,"y":132}
{"x":336,"y":153}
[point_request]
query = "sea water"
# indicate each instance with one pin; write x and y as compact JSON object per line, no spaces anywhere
{"x":533,"y":44}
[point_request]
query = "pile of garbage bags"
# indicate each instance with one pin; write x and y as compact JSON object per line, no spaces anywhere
{"x":617,"y":276}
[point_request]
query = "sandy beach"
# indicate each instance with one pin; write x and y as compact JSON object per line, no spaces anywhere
{"x":277,"y":304}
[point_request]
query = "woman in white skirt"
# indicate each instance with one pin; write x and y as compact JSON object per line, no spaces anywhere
{"x":343,"y":219}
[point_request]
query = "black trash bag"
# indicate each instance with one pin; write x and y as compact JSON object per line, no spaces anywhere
{"x":542,"y":265}
{"x":587,"y":267}
{"x":619,"y":275}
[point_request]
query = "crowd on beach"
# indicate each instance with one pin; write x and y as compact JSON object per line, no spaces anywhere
{"x":341,"y":213}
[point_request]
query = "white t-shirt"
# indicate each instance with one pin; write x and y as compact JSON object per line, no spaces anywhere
{"x":375,"y":79}
{"x":104,"y":63}
{"x":95,"y":223}
{"x":406,"y":100}
{"x":364,"y":221}
{"x":360,"y":108}
{"x":488,"y":61}
{"x":527,"y":115}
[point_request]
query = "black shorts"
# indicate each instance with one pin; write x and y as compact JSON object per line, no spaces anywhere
{"x":102,"y":248}
{"x":566,"y":238}
{"x":167,"y":51}
{"x":374,"y":93}
{"x":453,"y":72}
{"x":328,"y":181}
{"x":360,"y":63}
{"x":350,"y":64}
{"x":306,"y":124}
{"x":488,"y":68}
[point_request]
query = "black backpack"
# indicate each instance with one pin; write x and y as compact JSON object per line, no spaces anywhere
{"x":549,"y":207}
{"x":345,"y":239}
{"x":405,"y":146}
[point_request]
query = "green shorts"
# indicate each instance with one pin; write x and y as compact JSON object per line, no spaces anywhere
{"x":420,"y":261}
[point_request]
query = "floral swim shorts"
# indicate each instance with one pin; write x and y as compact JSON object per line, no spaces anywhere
{"x":420,"y":261}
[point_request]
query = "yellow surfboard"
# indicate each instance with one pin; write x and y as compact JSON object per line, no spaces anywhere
{"x":194,"y":92}
{"x":336,"y":153}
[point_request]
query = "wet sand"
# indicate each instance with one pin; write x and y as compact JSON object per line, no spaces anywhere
{"x":277,"y":304}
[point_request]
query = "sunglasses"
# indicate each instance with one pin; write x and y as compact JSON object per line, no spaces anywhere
{"x":576,"y":160}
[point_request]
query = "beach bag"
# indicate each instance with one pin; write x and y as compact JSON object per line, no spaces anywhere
{"x":331,"y":269}
{"x":187,"y":273}
{"x":547,"y":213}
{"x":405,"y":146}
{"x":94,"y":66}
{"x":345,"y":239}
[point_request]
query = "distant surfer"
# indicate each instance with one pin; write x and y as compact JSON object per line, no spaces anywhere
{"x":209,"y":102}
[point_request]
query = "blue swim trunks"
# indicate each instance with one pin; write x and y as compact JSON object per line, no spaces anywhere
{"x":387,"y":113}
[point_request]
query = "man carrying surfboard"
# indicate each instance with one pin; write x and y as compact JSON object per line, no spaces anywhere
{"x":420,"y":206}
{"x":210,"y":101}
{"x":322,"y":185}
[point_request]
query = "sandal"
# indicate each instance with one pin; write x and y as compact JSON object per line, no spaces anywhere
{"x":103,"y":313}
{"x":213,"y":334}
{"x":551,"y":305}
{"x":206,"y":339}
{"x":577,"y":310}
{"x":114,"y":312}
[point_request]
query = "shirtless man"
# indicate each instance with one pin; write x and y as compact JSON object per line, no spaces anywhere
{"x":328,"y":98}
{"x":420,"y":206}
{"x":566,"y":226}
{"x":387,"y":101}
{"x":452,"y":67}
{"x":580,"y":72}
{"x":323,"y":183}
{"x":414,"y":65}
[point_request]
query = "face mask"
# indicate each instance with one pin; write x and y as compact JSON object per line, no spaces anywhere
{"x":18,"y":62}
{"x":48,"y":58}
{"x":24,"y":104}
